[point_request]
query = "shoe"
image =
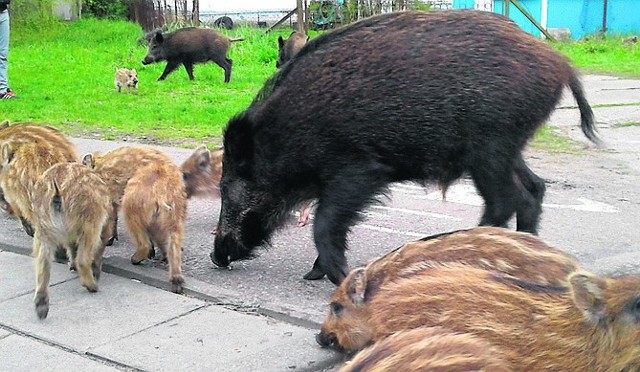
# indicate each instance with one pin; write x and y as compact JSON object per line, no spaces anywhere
{"x":7,"y":95}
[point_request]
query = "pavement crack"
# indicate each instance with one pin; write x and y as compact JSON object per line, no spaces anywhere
{"x":86,"y":354}
{"x":200,"y":307}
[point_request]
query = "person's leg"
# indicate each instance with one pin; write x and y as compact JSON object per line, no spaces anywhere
{"x":4,"y":50}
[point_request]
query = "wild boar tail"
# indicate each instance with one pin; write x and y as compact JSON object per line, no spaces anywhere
{"x":56,"y":200}
{"x":587,"y":122}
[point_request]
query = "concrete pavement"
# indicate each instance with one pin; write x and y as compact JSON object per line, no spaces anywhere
{"x":130,"y":325}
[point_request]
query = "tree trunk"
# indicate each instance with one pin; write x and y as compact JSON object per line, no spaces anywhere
{"x":300,"y":23}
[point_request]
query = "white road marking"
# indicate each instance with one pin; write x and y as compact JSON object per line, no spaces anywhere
{"x":416,"y":213}
{"x":392,"y":231}
{"x":467,"y":194}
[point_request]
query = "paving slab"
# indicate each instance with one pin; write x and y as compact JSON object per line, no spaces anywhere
{"x":15,"y":268}
{"x":19,"y":353}
{"x":218,"y":339}
{"x":4,"y":334}
{"x":605,"y":90}
{"x":79,"y":319}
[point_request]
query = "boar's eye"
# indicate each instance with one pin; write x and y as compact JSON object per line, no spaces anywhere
{"x":336,"y":308}
{"x":635,"y":309}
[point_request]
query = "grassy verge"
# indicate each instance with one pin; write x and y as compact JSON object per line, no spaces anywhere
{"x":63,"y":74}
{"x":610,"y":56}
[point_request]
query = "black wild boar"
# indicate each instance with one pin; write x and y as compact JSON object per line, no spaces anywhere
{"x":189,"y":46}
{"x":407,"y":96}
{"x":288,"y":49}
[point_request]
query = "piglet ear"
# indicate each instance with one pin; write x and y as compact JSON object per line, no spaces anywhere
{"x":238,"y":145}
{"x":204,"y":157}
{"x":89,"y":161}
{"x":5,"y":124}
{"x":6,"y":152}
{"x":588,"y":295}
{"x":357,"y":286}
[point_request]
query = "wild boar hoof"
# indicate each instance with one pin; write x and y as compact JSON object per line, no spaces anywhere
{"x":176,"y":285}
{"x":314,"y":274}
{"x":42,"y":306}
{"x":152,"y":253}
{"x":91,"y":287}
{"x":109,"y":242}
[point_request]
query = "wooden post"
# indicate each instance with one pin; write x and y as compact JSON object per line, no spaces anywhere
{"x":195,"y":14}
{"x":300,"y":23}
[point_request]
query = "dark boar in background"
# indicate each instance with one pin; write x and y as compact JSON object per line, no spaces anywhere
{"x":407,"y":96}
{"x":288,"y":49}
{"x":189,"y":46}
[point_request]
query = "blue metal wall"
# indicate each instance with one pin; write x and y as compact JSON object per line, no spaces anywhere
{"x":582,"y":17}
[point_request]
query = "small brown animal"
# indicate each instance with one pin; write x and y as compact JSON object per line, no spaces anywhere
{"x":125,"y":78}
{"x":593,"y":324}
{"x":202,"y":172}
{"x":71,"y":208}
{"x":429,"y":349}
{"x":27,"y":133}
{"x":518,"y":254}
{"x":289,"y":48}
{"x":117,"y":167}
{"x":154,"y":206}
{"x":23,"y":162}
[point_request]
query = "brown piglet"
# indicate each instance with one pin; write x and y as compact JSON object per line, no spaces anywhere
{"x":71,"y":208}
{"x":429,"y":349}
{"x":154,"y":206}
{"x":117,"y":167}
{"x":591,"y":324}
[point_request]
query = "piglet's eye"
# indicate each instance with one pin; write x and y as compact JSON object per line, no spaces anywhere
{"x":636,"y":308}
{"x":337,"y":309}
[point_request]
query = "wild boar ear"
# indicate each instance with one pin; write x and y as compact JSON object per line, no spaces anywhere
{"x":88,"y":161}
{"x":159,"y":37}
{"x":588,"y":297}
{"x":204,"y":156}
{"x":134,"y":71}
{"x":280,"y":42}
{"x":357,"y":286}
{"x":7,"y":154}
{"x":5,"y":124}
{"x":238,"y":144}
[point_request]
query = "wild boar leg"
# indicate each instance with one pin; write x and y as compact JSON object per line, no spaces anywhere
{"x":226,"y":64}
{"x":42,"y":254}
{"x":529,"y":210}
{"x":338,"y":210}
{"x":171,"y":66}
{"x":189,"y":67}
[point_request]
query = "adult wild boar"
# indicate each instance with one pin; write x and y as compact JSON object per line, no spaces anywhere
{"x":288,"y":49}
{"x":592,"y":324}
{"x":407,"y":96}
{"x":188,"y":46}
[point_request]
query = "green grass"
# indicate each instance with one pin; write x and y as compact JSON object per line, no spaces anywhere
{"x":628,"y":124}
{"x":549,"y":139}
{"x":63,"y":75}
{"x":610,"y":56}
